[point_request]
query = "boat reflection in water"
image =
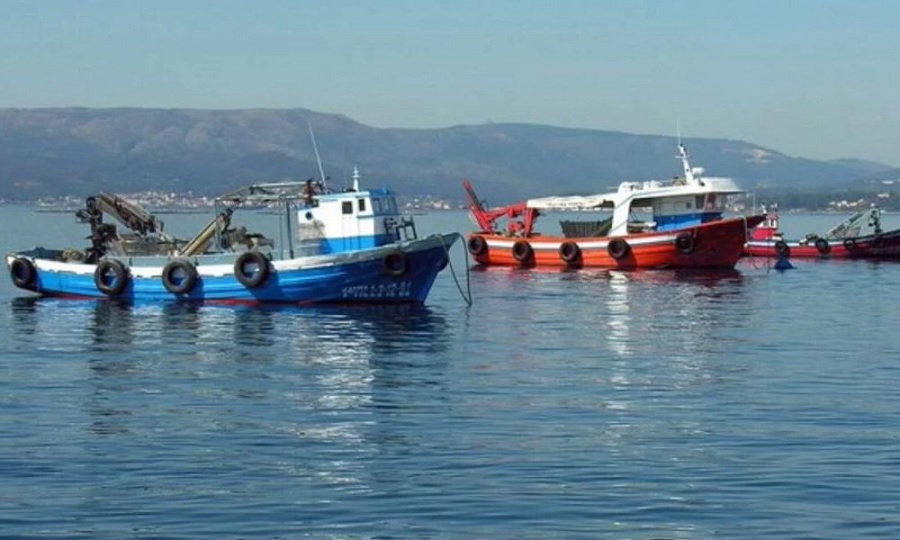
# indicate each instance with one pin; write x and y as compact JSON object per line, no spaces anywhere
{"x":330,"y":352}
{"x":631,"y":312}
{"x":308,"y":334}
{"x":254,"y":388}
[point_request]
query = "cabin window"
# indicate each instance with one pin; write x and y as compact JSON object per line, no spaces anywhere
{"x":362,"y":205}
{"x":347,"y":207}
{"x":376,"y":206}
{"x":699,"y":201}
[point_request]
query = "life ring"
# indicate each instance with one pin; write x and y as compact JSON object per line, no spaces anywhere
{"x":110,"y":277}
{"x":22,"y":272}
{"x":850,"y":244}
{"x":618,"y":248}
{"x":251,"y":268}
{"x":569,"y":252}
{"x":522,"y":251}
{"x":823,"y":246}
{"x":477,"y":246}
{"x":781,"y":248}
{"x":685,"y":243}
{"x":395,"y":264}
{"x":179,"y":276}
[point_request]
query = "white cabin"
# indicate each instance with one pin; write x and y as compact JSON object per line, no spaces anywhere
{"x":351,"y":220}
{"x":676,"y":204}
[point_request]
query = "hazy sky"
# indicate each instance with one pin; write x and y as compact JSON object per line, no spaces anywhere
{"x":811,"y":78}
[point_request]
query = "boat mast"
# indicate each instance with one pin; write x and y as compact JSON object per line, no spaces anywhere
{"x":688,"y":171}
{"x":318,"y":159}
{"x":683,"y":156}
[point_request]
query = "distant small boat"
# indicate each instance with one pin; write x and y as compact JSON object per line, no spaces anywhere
{"x":352,"y":246}
{"x":673,"y":224}
{"x":860,"y":236}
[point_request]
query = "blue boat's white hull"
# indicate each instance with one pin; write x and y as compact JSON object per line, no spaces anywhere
{"x":363,"y":276}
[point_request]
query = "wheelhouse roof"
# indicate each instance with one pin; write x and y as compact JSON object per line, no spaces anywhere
{"x":638,"y":194}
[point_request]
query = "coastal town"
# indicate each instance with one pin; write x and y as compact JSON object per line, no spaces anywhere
{"x":188,"y":202}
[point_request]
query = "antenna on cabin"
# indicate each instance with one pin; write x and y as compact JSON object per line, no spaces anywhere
{"x":691,"y":175}
{"x":316,"y":150}
{"x":355,"y":178}
{"x":683,"y":156}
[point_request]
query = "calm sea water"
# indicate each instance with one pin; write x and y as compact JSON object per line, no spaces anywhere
{"x":749,"y":404}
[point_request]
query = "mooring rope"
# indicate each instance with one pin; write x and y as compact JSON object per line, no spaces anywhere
{"x":467,"y":294}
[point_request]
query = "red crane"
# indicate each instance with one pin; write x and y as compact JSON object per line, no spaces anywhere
{"x":486,"y":219}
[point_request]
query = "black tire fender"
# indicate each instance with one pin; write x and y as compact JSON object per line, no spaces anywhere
{"x":395,"y":264}
{"x":685,"y":243}
{"x":823,"y":246}
{"x":522,"y":251}
{"x":569,"y":252}
{"x":850,"y":244}
{"x":110,"y":277}
{"x":179,"y":276}
{"x":477,"y":245}
{"x":23,"y":273}
{"x":781,"y":248}
{"x":618,"y":248}
{"x":251,"y":268}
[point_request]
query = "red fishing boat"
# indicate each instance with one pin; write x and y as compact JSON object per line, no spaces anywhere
{"x":858,"y":237}
{"x":655,"y":224}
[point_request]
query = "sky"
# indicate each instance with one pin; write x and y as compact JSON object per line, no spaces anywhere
{"x":818,"y":79}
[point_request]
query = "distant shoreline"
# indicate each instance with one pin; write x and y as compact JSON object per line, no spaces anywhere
{"x":161,"y":211}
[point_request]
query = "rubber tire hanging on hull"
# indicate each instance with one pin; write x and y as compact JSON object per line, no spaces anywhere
{"x":823,"y":246}
{"x":188,"y":279}
{"x":23,"y":273}
{"x":618,"y":248}
{"x":249,"y":278}
{"x":522,"y":252}
{"x":850,"y":244}
{"x":477,"y":246}
{"x":782,"y":249}
{"x":116,"y":285}
{"x":395,"y":264}
{"x":569,"y":252}
{"x":685,"y":243}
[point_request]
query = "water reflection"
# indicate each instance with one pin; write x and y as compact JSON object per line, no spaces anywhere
{"x":337,"y":353}
{"x":306,"y":374}
{"x":675,"y":312}
{"x":630,"y":330}
{"x":320,"y":334}
{"x":700,"y":276}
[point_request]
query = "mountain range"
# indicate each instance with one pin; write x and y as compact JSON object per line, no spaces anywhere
{"x":80,"y":151}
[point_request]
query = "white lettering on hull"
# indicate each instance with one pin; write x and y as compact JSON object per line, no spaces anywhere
{"x":399,"y":289}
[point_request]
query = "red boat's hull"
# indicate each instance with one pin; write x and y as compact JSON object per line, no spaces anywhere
{"x":717,"y":244}
{"x":882,"y":246}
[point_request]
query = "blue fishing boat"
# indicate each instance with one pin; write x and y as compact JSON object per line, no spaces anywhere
{"x":349,"y":246}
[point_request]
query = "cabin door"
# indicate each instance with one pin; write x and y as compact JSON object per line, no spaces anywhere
{"x":350,"y":223}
